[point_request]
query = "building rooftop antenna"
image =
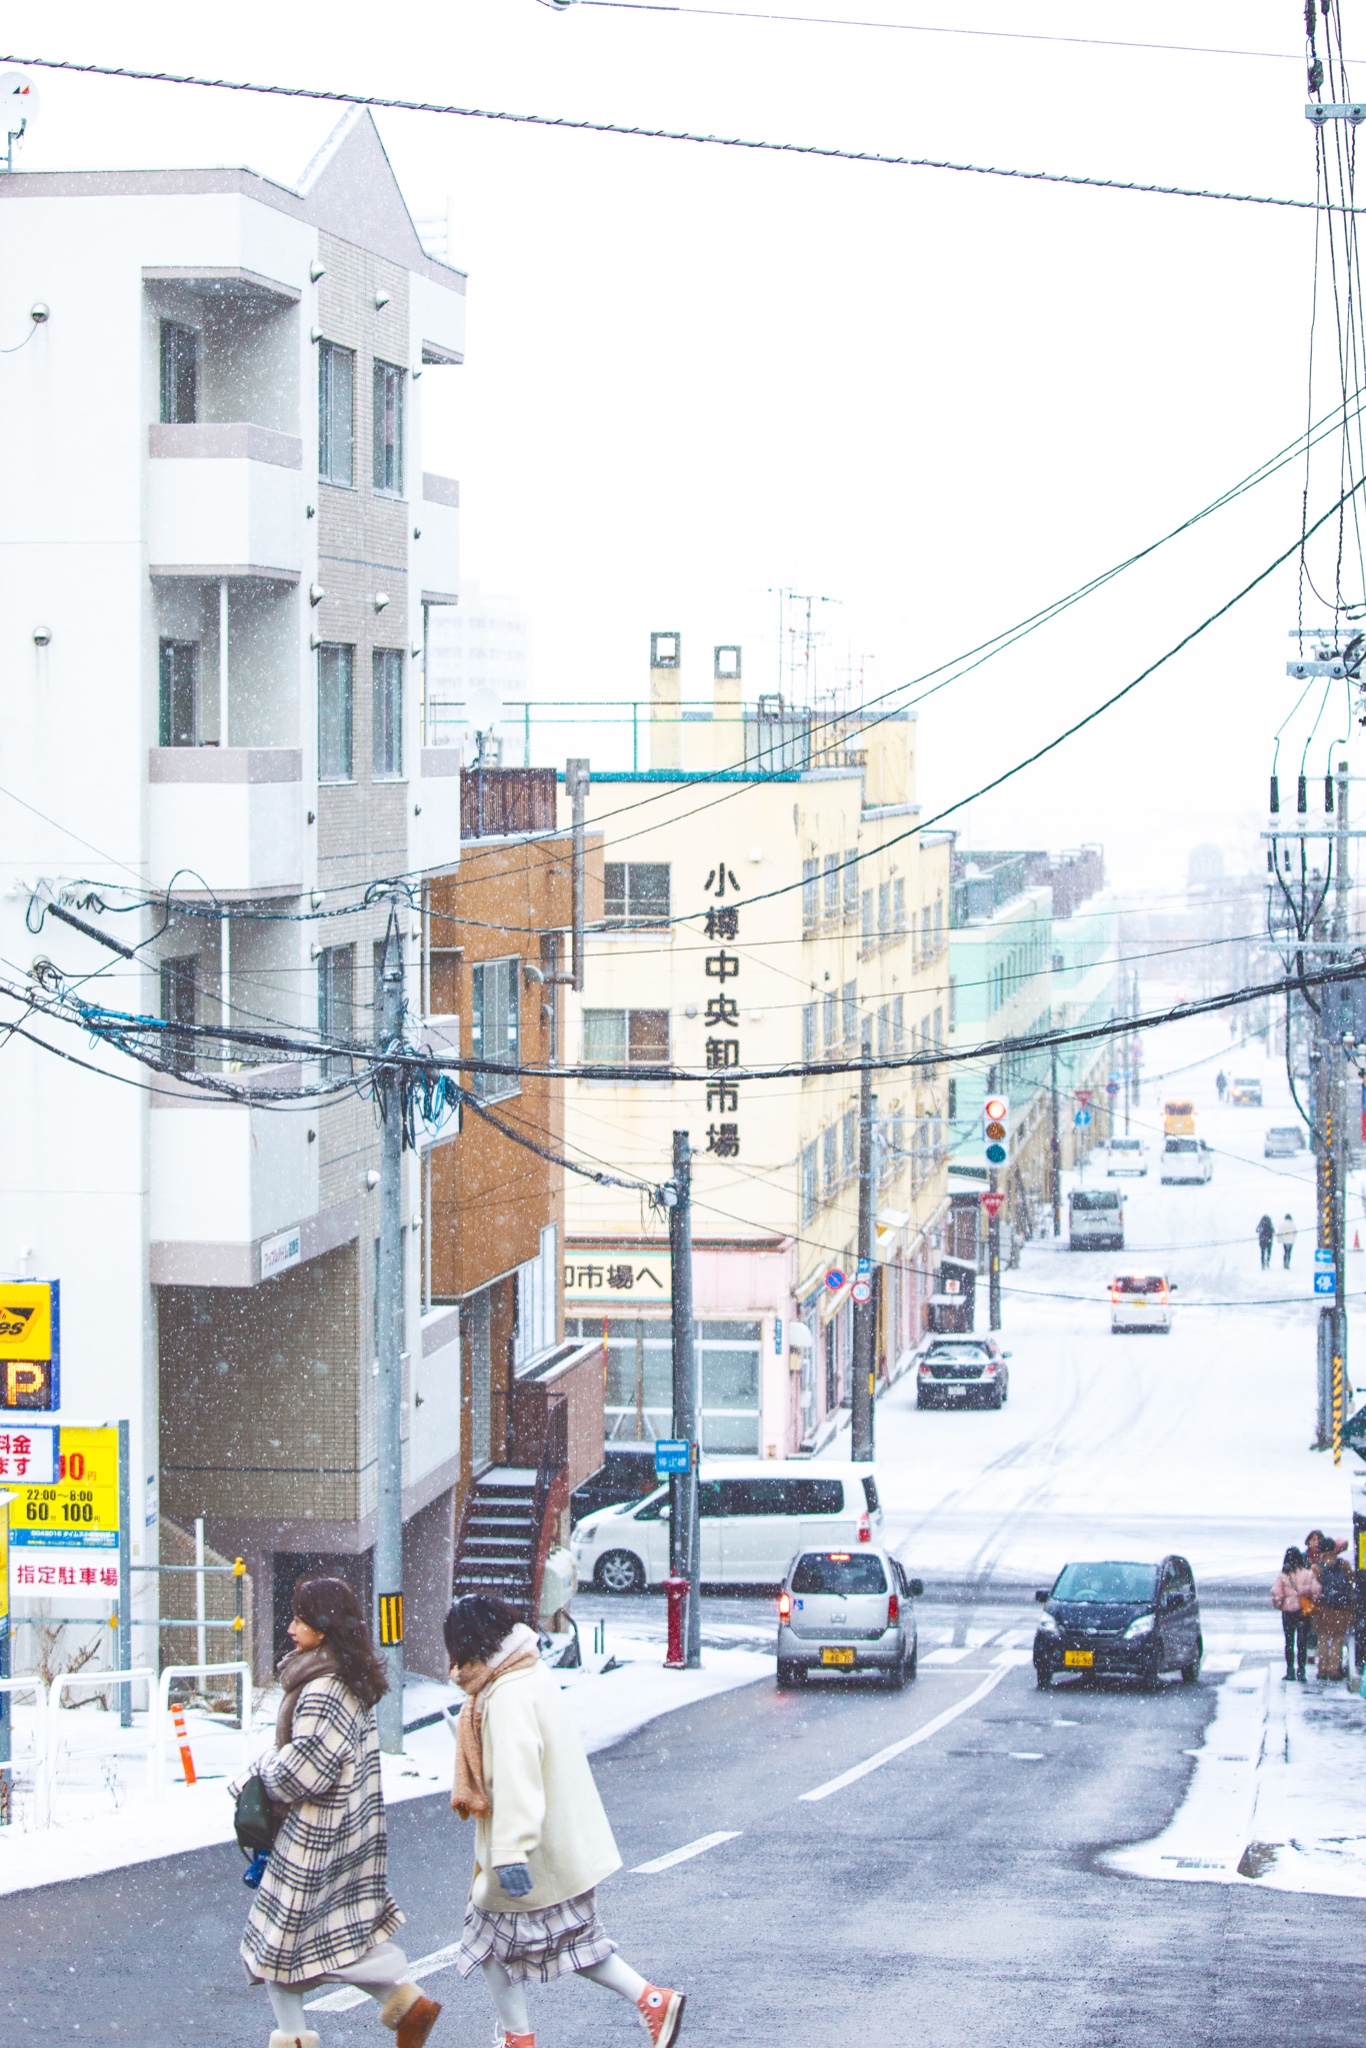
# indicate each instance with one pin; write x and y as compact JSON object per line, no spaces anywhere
{"x":19,"y":96}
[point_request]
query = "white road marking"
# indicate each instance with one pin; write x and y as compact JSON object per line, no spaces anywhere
{"x":348,"y":1996}
{"x":895,"y":1749}
{"x":689,"y":1849}
{"x":945,"y":1656}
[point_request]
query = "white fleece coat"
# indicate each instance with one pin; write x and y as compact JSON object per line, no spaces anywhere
{"x":546,"y":1808}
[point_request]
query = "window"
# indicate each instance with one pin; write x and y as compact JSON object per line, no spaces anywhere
{"x":808,"y":1031}
{"x":336,"y":692}
{"x":626,"y":1038}
{"x":337,"y":1003}
{"x":636,"y":892}
{"x":496,"y":1025}
{"x":953,"y":1099}
{"x":639,"y":1403}
{"x":179,"y":374}
{"x":884,"y":1030}
{"x":850,"y":884}
{"x":537,"y":1296}
{"x":830,"y":1160}
{"x":810,"y":1196}
{"x":884,"y":911}
{"x":839,"y":1574}
{"x":953,"y":1002}
{"x":899,"y":904}
{"x":387,"y":723}
{"x":811,"y":902}
{"x":849,"y":1127}
{"x":927,"y":949}
{"x":180,"y":1005}
{"x":866,"y":941}
{"x":937,"y":1032}
{"x":178,"y":679}
{"x":387,"y":474}
{"x":850,"y":1006}
{"x":898,"y":1023}
{"x":830,"y":1009}
{"x":832,"y":885}
{"x":336,"y":414}
{"x":728,"y":1374}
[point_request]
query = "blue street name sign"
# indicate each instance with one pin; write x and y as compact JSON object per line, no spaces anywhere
{"x":671,"y":1455}
{"x":1325,"y":1280}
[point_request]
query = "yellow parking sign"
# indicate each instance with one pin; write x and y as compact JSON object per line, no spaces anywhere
{"x":30,"y":1344}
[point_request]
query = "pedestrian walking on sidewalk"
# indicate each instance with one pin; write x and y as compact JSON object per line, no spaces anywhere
{"x":1266,"y":1237}
{"x":1221,"y":1082}
{"x":1294,"y":1591}
{"x":323,"y":1913}
{"x":542,"y":1841}
{"x":1333,"y":1612}
{"x":1286,"y":1233}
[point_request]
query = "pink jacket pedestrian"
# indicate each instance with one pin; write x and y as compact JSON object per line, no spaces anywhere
{"x":1288,"y":1589}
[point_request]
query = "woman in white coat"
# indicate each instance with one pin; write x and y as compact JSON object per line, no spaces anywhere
{"x":542,"y":1841}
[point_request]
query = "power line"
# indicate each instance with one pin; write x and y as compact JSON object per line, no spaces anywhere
{"x":821,"y":151}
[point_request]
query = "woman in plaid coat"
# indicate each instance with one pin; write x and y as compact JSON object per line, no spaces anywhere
{"x":542,"y":1841}
{"x":323,"y":1910}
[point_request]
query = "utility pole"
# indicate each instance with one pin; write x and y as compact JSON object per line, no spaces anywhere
{"x":1342,"y":885}
{"x":1055,"y":1144}
{"x":861,"y":1393}
{"x":685,"y":1547}
{"x":993,"y":1240}
{"x":389,"y":1364}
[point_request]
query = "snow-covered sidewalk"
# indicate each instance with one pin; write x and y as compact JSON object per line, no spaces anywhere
{"x":1278,"y":1797}
{"x":105,"y":1817}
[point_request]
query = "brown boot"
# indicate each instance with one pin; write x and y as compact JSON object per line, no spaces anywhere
{"x":410,"y":2015}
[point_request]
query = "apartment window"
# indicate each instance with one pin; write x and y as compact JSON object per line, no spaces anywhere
{"x":811,"y":901}
{"x":850,"y":883}
{"x":832,"y":885}
{"x":884,"y":1031}
{"x":179,"y":374}
{"x":387,"y":720}
{"x":388,"y":420}
{"x":537,"y":1321}
{"x":884,"y":910}
{"x":636,"y":892}
{"x":178,"y":680}
{"x":810,"y":1195}
{"x":866,"y":938}
{"x":899,"y":904}
{"x":938,"y":1036}
{"x":849,"y":1128}
{"x":830,"y":1019}
{"x":180,"y":1005}
{"x":496,"y":1025}
{"x":336,"y":414}
{"x":808,"y":1031}
{"x":953,"y":1099}
{"x":898,"y":1023}
{"x":849,"y":1003}
{"x":926,"y":946}
{"x":953,"y":1003}
{"x":938,"y":922}
{"x":336,"y":712}
{"x":626,"y":1038}
{"x":337,"y":1003}
{"x":830,"y":1149}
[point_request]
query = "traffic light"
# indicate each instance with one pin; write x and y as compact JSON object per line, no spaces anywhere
{"x":995,"y":1130}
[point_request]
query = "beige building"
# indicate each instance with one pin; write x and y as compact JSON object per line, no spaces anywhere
{"x":768,"y":900}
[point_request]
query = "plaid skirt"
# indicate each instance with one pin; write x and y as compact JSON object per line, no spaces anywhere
{"x":549,"y":1942}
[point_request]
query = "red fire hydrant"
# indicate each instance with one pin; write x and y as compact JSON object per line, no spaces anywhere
{"x":677,"y":1591}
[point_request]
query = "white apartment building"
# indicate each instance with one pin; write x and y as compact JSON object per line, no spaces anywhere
{"x":221,"y":549}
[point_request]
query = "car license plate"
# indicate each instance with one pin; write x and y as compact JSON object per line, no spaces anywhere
{"x":837,"y":1656}
{"x":954,"y":1393}
{"x":1079,"y":1660}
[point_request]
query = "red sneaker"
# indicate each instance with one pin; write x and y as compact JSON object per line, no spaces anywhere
{"x":662,"y":2012}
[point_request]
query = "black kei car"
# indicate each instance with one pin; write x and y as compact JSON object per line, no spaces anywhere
{"x":1120,"y":1620}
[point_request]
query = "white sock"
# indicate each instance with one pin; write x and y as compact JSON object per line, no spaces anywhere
{"x":615,"y":1975}
{"x":289,"y":2008}
{"x":509,"y":1998}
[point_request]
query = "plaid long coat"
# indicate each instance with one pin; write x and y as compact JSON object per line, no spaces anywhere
{"x":324,"y":1899}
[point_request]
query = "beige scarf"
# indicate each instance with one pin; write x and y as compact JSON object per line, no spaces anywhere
{"x":295,"y":1671}
{"x":517,"y":1652}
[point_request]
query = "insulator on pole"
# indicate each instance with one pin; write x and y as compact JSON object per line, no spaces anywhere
{"x":1275,"y":794}
{"x":1302,"y":794}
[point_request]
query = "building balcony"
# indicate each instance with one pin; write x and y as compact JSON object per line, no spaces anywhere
{"x":436,"y":551}
{"x":225,"y":499}
{"x":234,"y":1190}
{"x":226,"y":820}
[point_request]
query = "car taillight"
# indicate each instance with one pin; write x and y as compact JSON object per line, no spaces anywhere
{"x":924,"y":1372}
{"x":784,"y":1607}
{"x":865,"y":1534}
{"x":893,"y":1610}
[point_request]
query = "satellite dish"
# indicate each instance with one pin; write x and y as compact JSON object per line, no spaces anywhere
{"x":19,"y":95}
{"x":484,"y":708}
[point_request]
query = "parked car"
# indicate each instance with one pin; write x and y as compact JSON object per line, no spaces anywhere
{"x":1246,"y":1092}
{"x":756,"y":1515}
{"x":847,"y":1611}
{"x":1127,"y":1156}
{"x":1283,"y":1141}
{"x":962,"y":1372}
{"x":1140,"y":1301}
{"x":1186,"y":1160}
{"x":1095,"y":1220}
{"x":1120,"y":1620}
{"x":627,"y":1472}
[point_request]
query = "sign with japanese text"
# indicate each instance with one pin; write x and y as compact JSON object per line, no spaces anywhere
{"x":722,"y":1014}
{"x":671,"y":1455}
{"x":617,"y":1277}
{"x":30,"y":1344}
{"x":64,"y":1531}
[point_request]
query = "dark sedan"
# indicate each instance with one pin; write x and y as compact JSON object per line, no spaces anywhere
{"x":1119,"y":1620}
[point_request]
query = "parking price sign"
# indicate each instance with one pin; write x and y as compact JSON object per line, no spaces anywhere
{"x":64,"y":1521}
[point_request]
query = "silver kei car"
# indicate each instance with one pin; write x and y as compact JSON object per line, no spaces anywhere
{"x":845,"y":1612}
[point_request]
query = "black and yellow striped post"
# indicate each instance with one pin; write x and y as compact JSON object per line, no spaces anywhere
{"x":1337,"y":1407}
{"x":390,"y":1619}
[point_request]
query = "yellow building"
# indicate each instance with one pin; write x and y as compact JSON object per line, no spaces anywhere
{"x":769,"y":900}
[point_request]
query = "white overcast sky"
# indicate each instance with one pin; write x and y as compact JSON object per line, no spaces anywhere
{"x":696,"y":375}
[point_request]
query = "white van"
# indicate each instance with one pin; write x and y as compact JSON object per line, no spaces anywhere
{"x":756,"y":1514}
{"x":1095,"y":1220}
{"x":1186,"y":1160}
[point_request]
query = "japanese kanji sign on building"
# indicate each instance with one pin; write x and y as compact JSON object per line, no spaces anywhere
{"x":64,"y":1521}
{"x":616,"y":1277}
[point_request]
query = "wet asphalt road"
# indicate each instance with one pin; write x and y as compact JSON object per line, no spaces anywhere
{"x":948,"y":1897}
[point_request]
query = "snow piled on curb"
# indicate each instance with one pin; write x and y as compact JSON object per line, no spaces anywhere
{"x":105,"y":1819}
